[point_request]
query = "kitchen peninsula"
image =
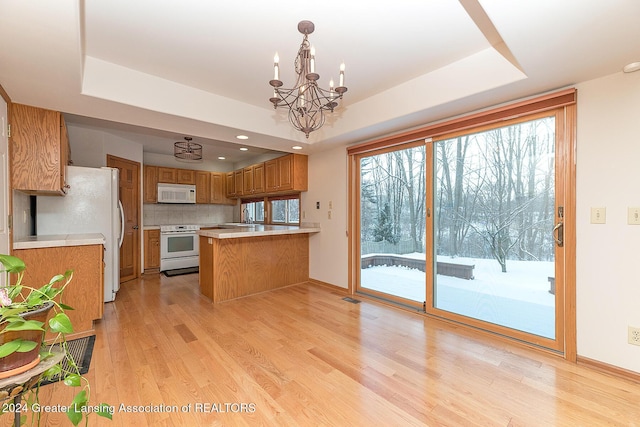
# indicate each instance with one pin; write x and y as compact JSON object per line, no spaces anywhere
{"x":236,"y":261}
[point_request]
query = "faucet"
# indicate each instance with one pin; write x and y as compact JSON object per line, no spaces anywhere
{"x":247,"y":218}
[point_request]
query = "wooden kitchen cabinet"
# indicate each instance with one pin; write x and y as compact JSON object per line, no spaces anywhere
{"x":253,"y":179}
{"x":150,"y":184}
{"x":167,"y":175}
{"x":286,"y":173}
{"x":151,"y":251}
{"x":218,"y":193}
{"x":203,"y":187}
{"x":85,"y":292}
{"x":235,"y":181}
{"x":186,"y":176}
{"x":39,"y":150}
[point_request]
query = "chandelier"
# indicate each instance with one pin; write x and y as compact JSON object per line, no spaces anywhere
{"x":306,"y":101}
{"x":188,"y":150}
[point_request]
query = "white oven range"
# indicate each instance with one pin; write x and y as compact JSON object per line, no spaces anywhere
{"x":179,"y":246}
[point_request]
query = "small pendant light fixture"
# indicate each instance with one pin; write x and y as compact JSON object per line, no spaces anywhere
{"x":188,"y":150}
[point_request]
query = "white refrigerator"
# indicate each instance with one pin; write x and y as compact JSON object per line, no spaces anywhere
{"x":91,"y":205}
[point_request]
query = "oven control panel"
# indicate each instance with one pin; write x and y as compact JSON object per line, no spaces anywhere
{"x":178,"y":228}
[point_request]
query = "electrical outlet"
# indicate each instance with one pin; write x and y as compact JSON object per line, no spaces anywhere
{"x":634,"y":335}
{"x":329,"y":214}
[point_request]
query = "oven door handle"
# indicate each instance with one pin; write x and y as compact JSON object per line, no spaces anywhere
{"x":178,"y":233}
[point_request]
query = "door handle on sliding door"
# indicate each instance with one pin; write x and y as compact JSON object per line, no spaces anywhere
{"x":558,"y":234}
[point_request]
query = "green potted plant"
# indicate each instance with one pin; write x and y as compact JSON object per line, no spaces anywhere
{"x":24,"y":311}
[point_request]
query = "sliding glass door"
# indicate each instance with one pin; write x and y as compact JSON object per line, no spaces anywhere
{"x":392,"y":224}
{"x":473,"y":220}
{"x":493,"y":227}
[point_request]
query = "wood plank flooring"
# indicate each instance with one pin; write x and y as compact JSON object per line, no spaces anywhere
{"x":303,"y":356}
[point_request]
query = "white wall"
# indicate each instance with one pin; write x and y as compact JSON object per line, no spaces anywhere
{"x":90,"y":147}
{"x":608,"y":255}
{"x":328,"y":250}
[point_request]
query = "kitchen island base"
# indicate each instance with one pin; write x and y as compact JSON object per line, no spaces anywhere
{"x":232,"y":268}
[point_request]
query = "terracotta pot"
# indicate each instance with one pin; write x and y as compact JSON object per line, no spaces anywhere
{"x":16,"y":363}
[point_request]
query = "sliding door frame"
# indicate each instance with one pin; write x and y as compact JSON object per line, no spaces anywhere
{"x":564,"y":101}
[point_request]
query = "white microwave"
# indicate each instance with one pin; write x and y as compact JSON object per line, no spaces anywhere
{"x":176,"y":193}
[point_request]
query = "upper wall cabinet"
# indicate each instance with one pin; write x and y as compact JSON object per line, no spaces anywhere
{"x":150,"y":184}
{"x":167,"y":175}
{"x":286,"y":173}
{"x":218,"y":192}
{"x":253,"y":179}
{"x":39,"y":150}
{"x":186,"y":176}
{"x":203,"y":186}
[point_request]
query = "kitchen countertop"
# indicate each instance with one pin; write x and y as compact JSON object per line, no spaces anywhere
{"x":234,"y":231}
{"x":55,"y":240}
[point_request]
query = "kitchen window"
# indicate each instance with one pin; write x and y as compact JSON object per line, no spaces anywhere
{"x":286,"y":211}
{"x":281,"y":210}
{"x":253,"y":211}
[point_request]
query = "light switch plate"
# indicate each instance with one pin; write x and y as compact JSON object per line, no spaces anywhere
{"x":598,"y":215}
{"x":633,"y":216}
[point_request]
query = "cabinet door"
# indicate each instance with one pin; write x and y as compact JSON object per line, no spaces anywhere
{"x":271,"y":175}
{"x":203,"y":184}
{"x":285,"y":172}
{"x":186,"y":176}
{"x":39,"y":150}
{"x":258,"y":178}
{"x":218,"y":189}
{"x":231,"y":184}
{"x":150,"y":184}
{"x":167,"y":175}
{"x":151,"y":249}
{"x":247,"y":180}
{"x":238,"y":182}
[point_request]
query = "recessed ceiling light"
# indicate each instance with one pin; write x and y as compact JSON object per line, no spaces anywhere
{"x":297,"y":147}
{"x":244,"y":149}
{"x":242,"y":137}
{"x":221,"y":157}
{"x":630,"y":68}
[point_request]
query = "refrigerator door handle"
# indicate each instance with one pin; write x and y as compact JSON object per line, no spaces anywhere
{"x":121,"y":209}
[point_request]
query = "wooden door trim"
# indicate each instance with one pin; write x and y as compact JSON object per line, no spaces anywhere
{"x":137,"y":248}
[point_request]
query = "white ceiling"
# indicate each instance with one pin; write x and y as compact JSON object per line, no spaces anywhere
{"x":166,"y":69}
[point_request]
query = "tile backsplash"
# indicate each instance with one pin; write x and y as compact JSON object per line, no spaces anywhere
{"x":168,"y":214}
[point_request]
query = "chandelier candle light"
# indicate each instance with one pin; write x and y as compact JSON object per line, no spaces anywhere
{"x":307,"y":103}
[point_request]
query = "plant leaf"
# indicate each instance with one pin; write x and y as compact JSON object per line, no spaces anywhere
{"x":52,"y":371}
{"x":9,"y":348}
{"x":61,"y":323}
{"x":24,"y":325}
{"x":104,"y":410}
{"x":26,"y":345}
{"x":66,"y":307}
{"x":12,"y":264}
{"x":80,"y":399}
{"x":74,"y":414}
{"x":72,"y":380}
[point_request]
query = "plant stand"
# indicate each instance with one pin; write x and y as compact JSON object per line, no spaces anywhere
{"x":16,"y":385}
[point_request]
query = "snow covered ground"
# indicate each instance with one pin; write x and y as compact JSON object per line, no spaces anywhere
{"x":518,"y":299}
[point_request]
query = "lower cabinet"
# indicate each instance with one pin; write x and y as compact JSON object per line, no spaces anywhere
{"x":85,"y":292}
{"x":151,"y":251}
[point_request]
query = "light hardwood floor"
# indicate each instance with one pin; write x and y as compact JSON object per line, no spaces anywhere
{"x":303,"y":356}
